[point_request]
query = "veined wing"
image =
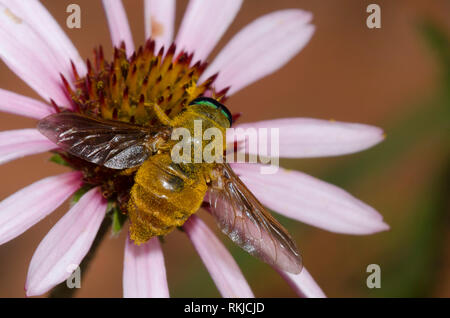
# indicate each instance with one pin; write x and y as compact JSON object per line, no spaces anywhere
{"x":112,"y":144}
{"x":243,"y":218}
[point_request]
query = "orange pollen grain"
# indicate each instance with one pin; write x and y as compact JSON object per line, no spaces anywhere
{"x":157,"y":28}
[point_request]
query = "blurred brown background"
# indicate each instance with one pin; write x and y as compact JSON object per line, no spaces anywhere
{"x":347,"y":72}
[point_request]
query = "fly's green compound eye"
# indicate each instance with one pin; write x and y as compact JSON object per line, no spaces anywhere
{"x":211,"y":102}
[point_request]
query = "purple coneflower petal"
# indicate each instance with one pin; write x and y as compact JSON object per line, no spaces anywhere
{"x":303,"y":284}
{"x":37,"y":16}
{"x":23,"y":142}
{"x":144,"y":272}
{"x":24,"y":106}
{"x":64,"y":247}
{"x":261,"y":48}
{"x":220,"y":264}
{"x":118,"y":24}
{"x":203,"y":25}
{"x":310,"y":200}
{"x":305,"y":137}
{"x":31,"y":204}
{"x":160,"y":21}
{"x":27,"y":55}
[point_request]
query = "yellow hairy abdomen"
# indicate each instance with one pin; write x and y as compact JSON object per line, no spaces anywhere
{"x":163,"y":197}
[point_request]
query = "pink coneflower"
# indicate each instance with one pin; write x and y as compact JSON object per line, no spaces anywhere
{"x":37,"y":49}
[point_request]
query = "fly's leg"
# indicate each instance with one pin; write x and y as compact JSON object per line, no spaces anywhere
{"x":161,"y":115}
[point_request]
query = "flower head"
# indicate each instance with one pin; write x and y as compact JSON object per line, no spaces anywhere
{"x":170,"y":73}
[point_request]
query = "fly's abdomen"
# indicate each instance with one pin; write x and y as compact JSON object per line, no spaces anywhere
{"x":163,"y":197}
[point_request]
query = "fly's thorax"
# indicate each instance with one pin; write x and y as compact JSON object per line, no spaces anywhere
{"x":209,"y":116}
{"x":205,"y":131}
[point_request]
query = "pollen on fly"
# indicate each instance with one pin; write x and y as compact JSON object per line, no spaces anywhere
{"x":119,"y":136}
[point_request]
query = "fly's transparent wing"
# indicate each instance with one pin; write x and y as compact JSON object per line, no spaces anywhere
{"x":112,"y":144}
{"x":242,"y":217}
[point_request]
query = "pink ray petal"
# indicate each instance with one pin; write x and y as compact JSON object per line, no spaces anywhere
{"x":118,"y":24}
{"x":261,"y":48}
{"x":23,"y":142}
{"x":220,"y":264}
{"x":38,"y":17}
{"x":203,"y":25}
{"x":144,"y":272}
{"x":305,"y":137}
{"x":27,"y":55}
{"x":28,"y":206}
{"x":24,"y":106}
{"x":65,"y":246}
{"x":303,"y":284}
{"x":311,"y":201}
{"x":160,"y":21}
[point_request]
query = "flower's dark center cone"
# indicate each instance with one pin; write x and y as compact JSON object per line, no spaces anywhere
{"x":125,"y":89}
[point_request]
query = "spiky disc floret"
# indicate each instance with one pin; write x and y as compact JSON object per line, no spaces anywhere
{"x":126,"y":88}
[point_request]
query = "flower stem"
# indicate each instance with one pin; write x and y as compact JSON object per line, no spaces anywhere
{"x":61,"y":290}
